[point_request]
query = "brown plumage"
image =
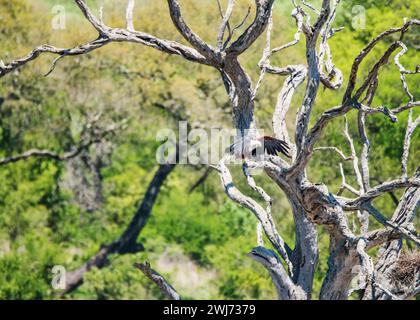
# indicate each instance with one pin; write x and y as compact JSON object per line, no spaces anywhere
{"x":272,"y":146}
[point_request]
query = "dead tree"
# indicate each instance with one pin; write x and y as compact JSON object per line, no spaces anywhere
{"x":313,"y":204}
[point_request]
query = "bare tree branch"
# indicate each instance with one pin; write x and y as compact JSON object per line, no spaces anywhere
{"x":286,"y":289}
{"x":129,"y":15}
{"x":373,"y":73}
{"x":403,"y":71}
{"x":324,"y":51}
{"x":37,"y":153}
{"x":107,"y":35}
{"x":366,"y":50}
{"x":411,"y":126}
{"x":380,"y":190}
{"x":382,"y":219}
{"x":284,"y":100}
{"x":232,"y":31}
{"x":256,"y":28}
{"x":390,"y":113}
{"x":189,"y":35}
{"x":161,"y":282}
{"x":338,"y":151}
{"x":345,"y":185}
{"x":262,"y":215}
{"x":201,"y":180}
{"x":314,"y":77}
{"x":391,"y":241}
{"x":224,"y":24}
{"x":95,"y":22}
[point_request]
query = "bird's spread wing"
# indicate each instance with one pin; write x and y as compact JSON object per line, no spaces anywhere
{"x":273,"y":146}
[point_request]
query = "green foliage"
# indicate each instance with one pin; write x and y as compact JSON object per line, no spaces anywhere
{"x":198,"y":240}
{"x":26,"y":269}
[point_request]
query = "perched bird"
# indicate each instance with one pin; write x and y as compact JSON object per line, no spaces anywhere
{"x":259,"y":146}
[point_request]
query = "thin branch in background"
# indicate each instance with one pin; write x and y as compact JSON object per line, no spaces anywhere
{"x":394,"y":198}
{"x":403,"y":71}
{"x":356,"y":169}
{"x":377,"y":191}
{"x":159,"y":280}
{"x":231,"y":32}
{"x":265,"y":57}
{"x":411,"y":126}
{"x":324,"y":51}
{"x":297,"y":14}
{"x":372,"y":76}
{"x":314,"y":80}
{"x":200,"y":180}
{"x":101,"y":14}
{"x":37,"y":153}
{"x":129,"y":15}
{"x":260,"y":237}
{"x":406,"y":106}
{"x":296,"y":76}
{"x":35,"y":53}
{"x":335,"y":149}
{"x":382,"y":219}
{"x":54,"y":64}
{"x":264,"y":63}
{"x":310,"y":6}
{"x":225,"y":23}
{"x":344,"y":185}
{"x":251,"y":182}
{"x":366,"y":50}
{"x":364,"y":163}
